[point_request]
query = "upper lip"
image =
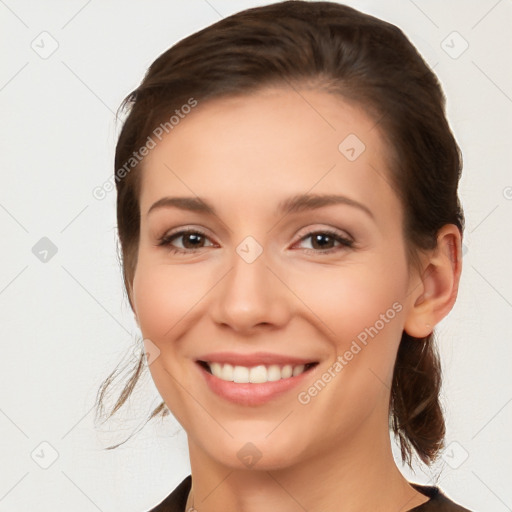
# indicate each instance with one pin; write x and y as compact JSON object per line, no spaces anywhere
{"x":254,"y":359}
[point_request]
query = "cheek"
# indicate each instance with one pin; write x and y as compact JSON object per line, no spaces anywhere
{"x":166,"y":299}
{"x":346,"y":302}
{"x":362,"y":314}
{"x":163,"y":296}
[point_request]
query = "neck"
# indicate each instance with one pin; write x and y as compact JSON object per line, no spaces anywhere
{"x":353,"y":476}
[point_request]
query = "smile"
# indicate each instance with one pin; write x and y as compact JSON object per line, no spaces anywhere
{"x":235,"y":385}
{"x":255,"y":374}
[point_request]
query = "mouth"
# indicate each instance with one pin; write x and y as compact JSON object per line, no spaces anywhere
{"x":258,"y":374}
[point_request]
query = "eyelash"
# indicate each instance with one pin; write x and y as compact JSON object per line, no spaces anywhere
{"x":165,"y":241}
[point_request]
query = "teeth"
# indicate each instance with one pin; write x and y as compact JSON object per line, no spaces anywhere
{"x":287,"y":371}
{"x":240,"y":374}
{"x":273,"y":372}
{"x":298,"y":370}
{"x":256,"y":374}
{"x":225,"y":372}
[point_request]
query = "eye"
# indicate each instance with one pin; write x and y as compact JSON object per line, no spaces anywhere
{"x":193,"y":238}
{"x":324,"y":239}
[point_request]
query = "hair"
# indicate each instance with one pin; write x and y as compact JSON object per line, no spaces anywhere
{"x":369,"y":63}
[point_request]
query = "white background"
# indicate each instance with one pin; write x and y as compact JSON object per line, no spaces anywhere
{"x":66,"y":323}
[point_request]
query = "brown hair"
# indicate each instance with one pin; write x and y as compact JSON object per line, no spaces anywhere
{"x":365,"y":60}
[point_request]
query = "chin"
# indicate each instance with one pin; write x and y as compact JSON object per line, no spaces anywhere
{"x":257,"y":452}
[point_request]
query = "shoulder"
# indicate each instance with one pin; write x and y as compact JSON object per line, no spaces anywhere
{"x":177,"y":500}
{"x":438,"y":500}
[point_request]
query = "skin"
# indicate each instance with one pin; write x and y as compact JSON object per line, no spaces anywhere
{"x":244,"y":155}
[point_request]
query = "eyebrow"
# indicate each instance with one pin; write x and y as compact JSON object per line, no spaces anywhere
{"x":294,"y":204}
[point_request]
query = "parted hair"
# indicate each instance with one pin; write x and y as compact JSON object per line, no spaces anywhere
{"x":366,"y":61}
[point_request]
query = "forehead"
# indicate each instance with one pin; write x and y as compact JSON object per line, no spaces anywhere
{"x":257,"y":149}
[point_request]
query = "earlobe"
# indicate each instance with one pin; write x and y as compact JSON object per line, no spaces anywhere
{"x":420,"y":318}
{"x":437,"y":291}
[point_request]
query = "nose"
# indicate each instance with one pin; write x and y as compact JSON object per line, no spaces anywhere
{"x":251,"y":296}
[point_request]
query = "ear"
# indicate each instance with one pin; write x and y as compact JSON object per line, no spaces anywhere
{"x":433,"y":298}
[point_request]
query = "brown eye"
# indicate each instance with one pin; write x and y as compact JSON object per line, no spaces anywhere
{"x":322,"y":241}
{"x":191,"y":239}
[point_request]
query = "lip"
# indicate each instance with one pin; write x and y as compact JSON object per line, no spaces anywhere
{"x":251,"y":394}
{"x":254,"y":359}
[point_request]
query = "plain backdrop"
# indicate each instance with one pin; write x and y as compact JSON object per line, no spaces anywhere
{"x":65,"y":320}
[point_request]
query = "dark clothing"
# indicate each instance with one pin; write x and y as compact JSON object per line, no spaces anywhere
{"x":177,"y":500}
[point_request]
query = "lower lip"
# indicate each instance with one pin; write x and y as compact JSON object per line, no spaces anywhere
{"x":249,"y":393}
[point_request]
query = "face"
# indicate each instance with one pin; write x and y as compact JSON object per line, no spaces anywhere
{"x":256,"y":283}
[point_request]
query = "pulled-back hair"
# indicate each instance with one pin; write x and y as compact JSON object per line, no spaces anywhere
{"x":364,"y":60}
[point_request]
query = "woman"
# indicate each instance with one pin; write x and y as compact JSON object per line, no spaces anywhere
{"x":291,"y":234}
